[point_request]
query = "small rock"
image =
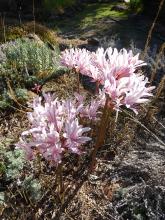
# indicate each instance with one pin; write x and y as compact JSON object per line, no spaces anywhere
{"x":119,"y":8}
{"x":63,"y":46}
{"x":31,"y":95}
{"x":35,"y":38}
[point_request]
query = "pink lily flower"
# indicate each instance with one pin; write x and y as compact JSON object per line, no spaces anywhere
{"x":73,"y":133}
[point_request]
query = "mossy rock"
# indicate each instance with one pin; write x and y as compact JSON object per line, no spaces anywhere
{"x":46,"y":34}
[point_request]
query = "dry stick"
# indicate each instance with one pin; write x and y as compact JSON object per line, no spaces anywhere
{"x":143,"y":126}
{"x":34,"y":21}
{"x":4,"y":28}
{"x":160,"y":88}
{"x":19,"y":15}
{"x":17,"y":109}
{"x":157,"y":62}
{"x":158,"y":122}
{"x":101,"y":134}
{"x":1,"y":21}
{"x":151,"y":29}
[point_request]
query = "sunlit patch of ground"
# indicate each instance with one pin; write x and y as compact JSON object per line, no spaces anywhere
{"x":89,"y":17}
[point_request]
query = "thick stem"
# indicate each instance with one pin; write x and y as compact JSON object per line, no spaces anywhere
{"x":97,"y":87}
{"x":59,"y":182}
{"x":78,"y":82}
{"x":61,"y":179}
{"x":101,"y":134}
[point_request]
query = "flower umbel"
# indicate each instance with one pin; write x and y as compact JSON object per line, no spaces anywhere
{"x":115,"y":71}
{"x":54,"y":129}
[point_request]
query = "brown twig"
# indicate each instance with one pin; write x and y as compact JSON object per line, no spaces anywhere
{"x":143,"y":126}
{"x":151,"y":29}
{"x":4,"y":28}
{"x":34,"y":19}
{"x":160,"y":88}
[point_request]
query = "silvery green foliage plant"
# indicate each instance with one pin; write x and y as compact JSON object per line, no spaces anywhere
{"x":32,"y":57}
{"x":32,"y":187}
{"x":4,"y":99}
{"x":15,"y":161}
{"x":24,"y":63}
{"x":12,"y":161}
{"x":3,"y":47}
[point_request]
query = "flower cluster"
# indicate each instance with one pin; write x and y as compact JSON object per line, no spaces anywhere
{"x":54,"y":128}
{"x":115,"y":71}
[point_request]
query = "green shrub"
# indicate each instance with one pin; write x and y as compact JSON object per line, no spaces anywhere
{"x":12,"y":165}
{"x":32,"y":187}
{"x":12,"y":161}
{"x":15,"y":161}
